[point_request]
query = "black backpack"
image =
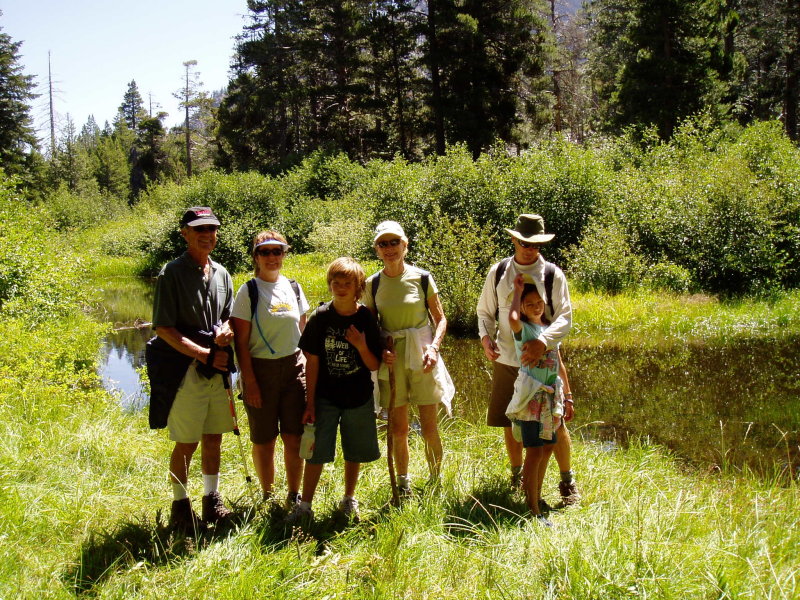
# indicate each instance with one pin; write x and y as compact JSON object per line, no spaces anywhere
{"x":549,"y":274}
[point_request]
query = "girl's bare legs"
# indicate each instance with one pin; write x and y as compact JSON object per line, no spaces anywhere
{"x":530,"y":478}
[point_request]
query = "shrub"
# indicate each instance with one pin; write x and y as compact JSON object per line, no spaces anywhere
{"x":668,"y":277}
{"x":40,"y":278}
{"x":604,"y":260}
{"x":244,"y":203}
{"x":458,"y":254}
{"x":344,"y":237}
{"x":69,"y":211}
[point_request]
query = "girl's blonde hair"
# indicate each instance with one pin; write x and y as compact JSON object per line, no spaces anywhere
{"x":350,"y":268}
{"x":267,"y":234}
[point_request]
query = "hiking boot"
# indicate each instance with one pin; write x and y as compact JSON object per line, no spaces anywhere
{"x":516,"y":480}
{"x":404,"y":492}
{"x":214,"y":509}
{"x":542,"y":520}
{"x":182,"y":518}
{"x":569,"y":493}
{"x":544,"y":506}
{"x":301,"y":515}
{"x":348,"y":506}
{"x":292,"y":500}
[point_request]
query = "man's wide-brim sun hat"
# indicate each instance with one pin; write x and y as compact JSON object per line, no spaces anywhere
{"x":388,"y":228}
{"x":530,"y":228}
{"x":199,"y":215}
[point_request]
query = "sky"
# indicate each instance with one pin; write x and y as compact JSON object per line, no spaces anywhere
{"x":98,"y":46}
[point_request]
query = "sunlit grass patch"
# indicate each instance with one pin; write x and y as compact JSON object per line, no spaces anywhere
{"x":656,"y":319}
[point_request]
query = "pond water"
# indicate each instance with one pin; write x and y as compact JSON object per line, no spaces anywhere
{"x":737,"y":404}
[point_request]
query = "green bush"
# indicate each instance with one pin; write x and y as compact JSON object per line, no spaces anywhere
{"x":70,"y":211}
{"x":723,"y":205}
{"x":458,"y":254}
{"x":668,"y":277}
{"x":40,"y":278}
{"x":344,"y":237}
{"x":604,"y":260}
{"x":244,"y":203}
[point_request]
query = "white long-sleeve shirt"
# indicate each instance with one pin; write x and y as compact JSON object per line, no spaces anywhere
{"x":561,"y":319}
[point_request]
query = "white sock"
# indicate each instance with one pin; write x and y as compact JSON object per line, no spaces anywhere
{"x":403,"y":481}
{"x":178,"y":491}
{"x":210,"y":483}
{"x":304,"y":504}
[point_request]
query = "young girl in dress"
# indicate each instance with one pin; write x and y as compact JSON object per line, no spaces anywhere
{"x":537,"y":405}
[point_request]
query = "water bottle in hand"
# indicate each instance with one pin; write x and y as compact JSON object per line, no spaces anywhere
{"x":307,"y":441}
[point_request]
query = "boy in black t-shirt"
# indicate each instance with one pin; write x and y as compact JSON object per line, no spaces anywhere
{"x":341,"y":342}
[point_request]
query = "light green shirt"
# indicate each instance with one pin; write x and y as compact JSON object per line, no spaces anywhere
{"x":399,"y":303}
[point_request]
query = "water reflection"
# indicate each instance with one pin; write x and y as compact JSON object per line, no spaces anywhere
{"x":127,"y":304}
{"x":737,"y":404}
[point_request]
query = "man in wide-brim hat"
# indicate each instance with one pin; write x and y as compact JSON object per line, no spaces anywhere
{"x":528,"y":236}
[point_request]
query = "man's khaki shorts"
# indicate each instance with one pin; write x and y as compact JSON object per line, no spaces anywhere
{"x":201,"y":407}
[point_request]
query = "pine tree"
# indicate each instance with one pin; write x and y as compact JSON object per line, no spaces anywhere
{"x":132,"y":107}
{"x":17,"y":135}
{"x":768,"y":39}
{"x":659,"y":61}
{"x":492,"y":56}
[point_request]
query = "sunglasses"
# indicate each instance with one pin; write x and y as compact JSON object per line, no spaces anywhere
{"x":528,"y":245}
{"x":386,"y":243}
{"x":270,"y":251}
{"x":205,"y":228}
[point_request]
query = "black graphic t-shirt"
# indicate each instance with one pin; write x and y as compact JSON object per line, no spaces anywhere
{"x":343,"y":377}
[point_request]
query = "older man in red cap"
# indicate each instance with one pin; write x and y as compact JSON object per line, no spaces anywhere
{"x":528,"y":237}
{"x":192,"y":305}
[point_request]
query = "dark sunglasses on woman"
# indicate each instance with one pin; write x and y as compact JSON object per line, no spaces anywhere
{"x":387,"y":243}
{"x":269,"y":251}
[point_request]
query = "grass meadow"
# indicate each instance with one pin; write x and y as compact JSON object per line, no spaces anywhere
{"x":84,"y":497}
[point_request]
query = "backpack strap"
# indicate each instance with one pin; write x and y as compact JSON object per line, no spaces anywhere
{"x":252,"y":291}
{"x":376,"y":281}
{"x":501,"y":269}
{"x":323,"y":314}
{"x":498,"y":275}
{"x":296,"y":288}
{"x":424,"y":280}
{"x":549,"y":274}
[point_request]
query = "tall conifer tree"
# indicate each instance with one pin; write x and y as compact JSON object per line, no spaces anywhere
{"x":17,"y":135}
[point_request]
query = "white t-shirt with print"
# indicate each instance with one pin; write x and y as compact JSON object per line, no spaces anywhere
{"x":275,"y":328}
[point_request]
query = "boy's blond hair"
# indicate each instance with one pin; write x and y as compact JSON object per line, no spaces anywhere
{"x":348,"y":267}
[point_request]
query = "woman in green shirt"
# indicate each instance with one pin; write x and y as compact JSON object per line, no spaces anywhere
{"x":406,"y":300}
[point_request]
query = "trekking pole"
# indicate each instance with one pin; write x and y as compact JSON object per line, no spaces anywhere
{"x":389,"y":433}
{"x":227,"y":379}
